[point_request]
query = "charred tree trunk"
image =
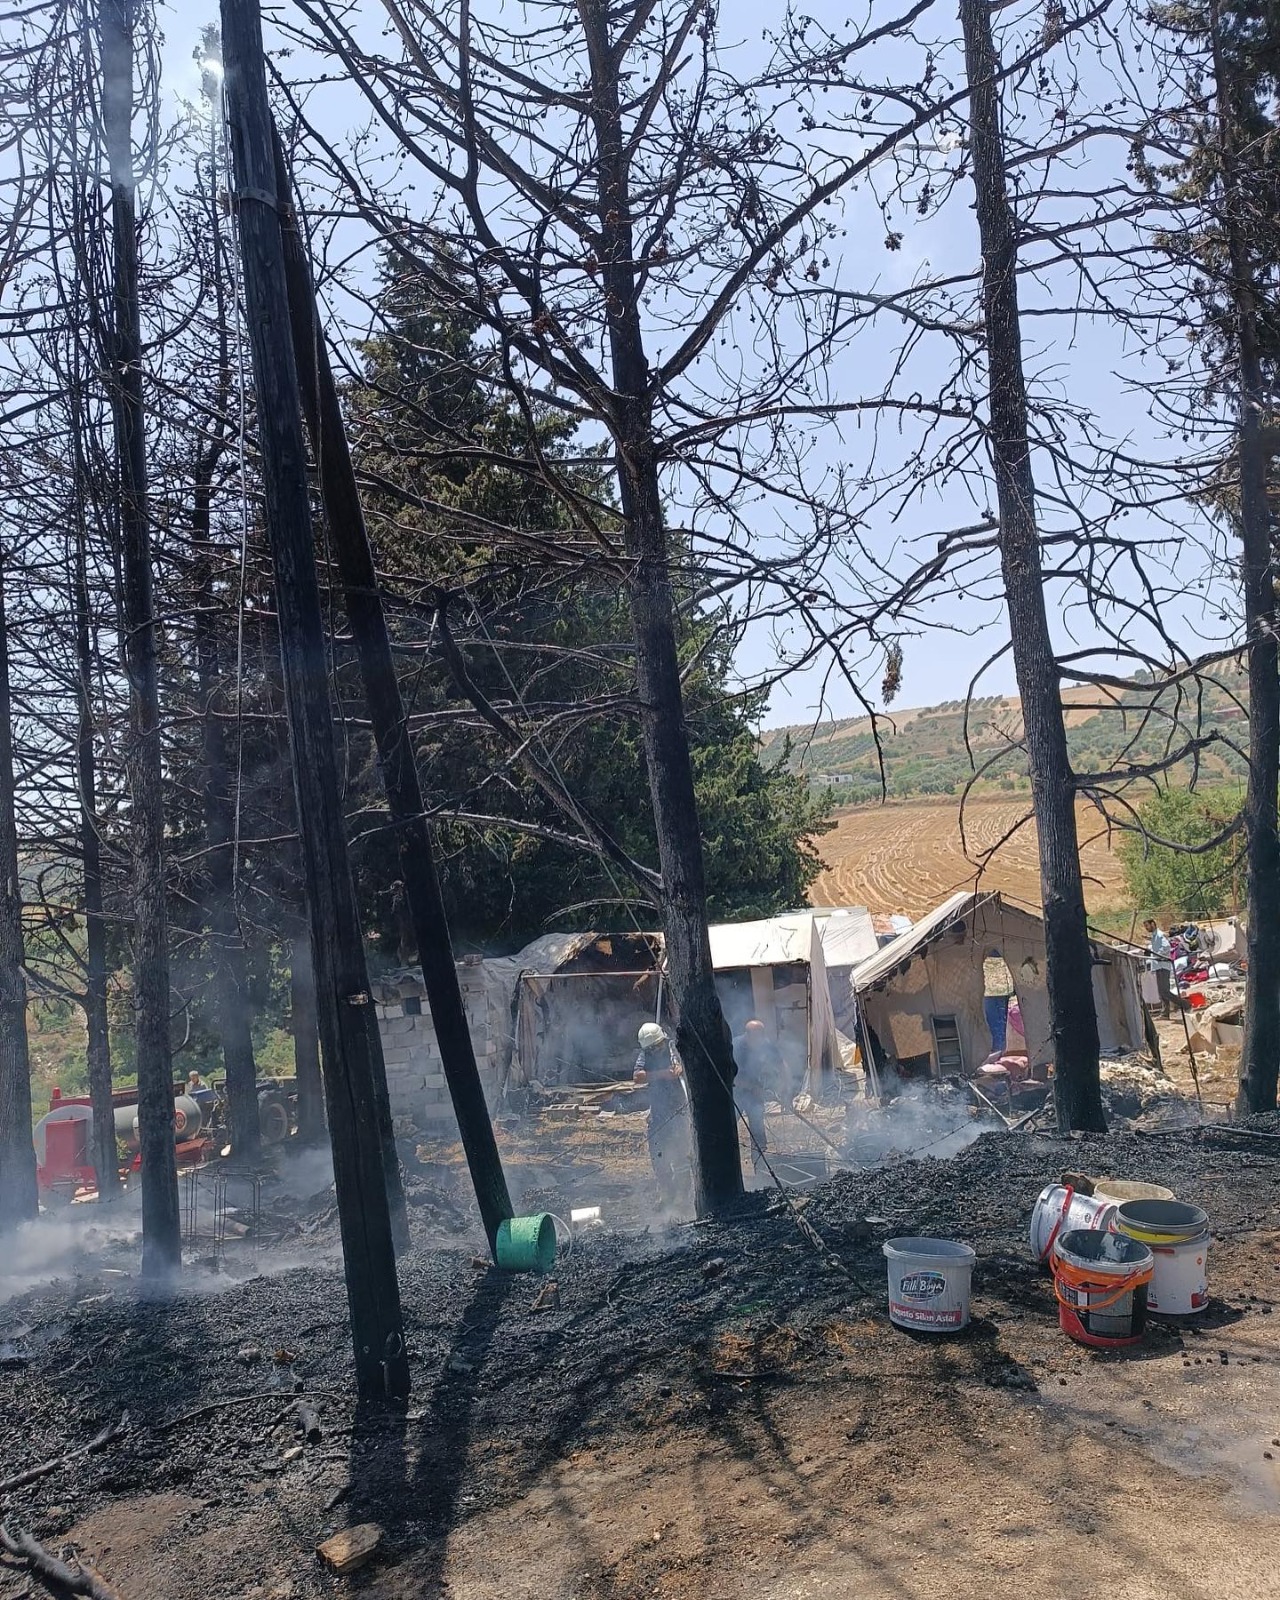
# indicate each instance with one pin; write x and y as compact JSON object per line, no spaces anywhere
{"x":1069,"y":958}
{"x":226,"y":943}
{"x":1260,"y":1051}
{"x":365,"y":1174}
{"x":18,"y":1200}
{"x":222,"y":915}
{"x":702,"y":1034}
{"x":98,"y":1046}
{"x":396,"y":759}
{"x":306,"y":1041}
{"x":161,"y":1223}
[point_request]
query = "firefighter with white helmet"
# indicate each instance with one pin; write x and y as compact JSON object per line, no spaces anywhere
{"x":658,"y":1070}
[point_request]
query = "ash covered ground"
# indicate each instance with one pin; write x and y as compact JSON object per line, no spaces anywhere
{"x":656,"y":1333}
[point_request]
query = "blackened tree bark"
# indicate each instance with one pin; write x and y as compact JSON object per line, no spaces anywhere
{"x":365,"y":1174}
{"x":702,"y":1034}
{"x":97,"y":1031}
{"x":225,"y":934}
{"x":1069,"y":958}
{"x":226,"y":939}
{"x":161,"y":1224}
{"x":306,"y":1040}
{"x":396,"y":759}
{"x":1260,"y":1051}
{"x":18,"y":1200}
{"x":226,"y":942}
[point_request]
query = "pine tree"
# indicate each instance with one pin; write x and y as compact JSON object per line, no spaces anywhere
{"x":444,"y":460}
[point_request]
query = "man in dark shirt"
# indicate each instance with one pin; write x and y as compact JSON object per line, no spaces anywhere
{"x":761,"y":1073}
{"x":658,"y":1070}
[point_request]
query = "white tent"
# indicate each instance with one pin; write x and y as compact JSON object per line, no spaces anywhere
{"x":775,"y":969}
{"x":849,"y":937}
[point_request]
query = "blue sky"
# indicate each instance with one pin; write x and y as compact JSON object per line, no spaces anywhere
{"x":1087,"y":363}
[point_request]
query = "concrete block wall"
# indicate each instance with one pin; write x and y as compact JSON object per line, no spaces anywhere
{"x":415,"y":1073}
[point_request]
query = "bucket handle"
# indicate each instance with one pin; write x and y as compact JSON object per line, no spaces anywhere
{"x":1057,"y":1227}
{"x":1081,"y":1280}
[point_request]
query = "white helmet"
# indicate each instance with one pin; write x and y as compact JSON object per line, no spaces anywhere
{"x":651,"y":1036}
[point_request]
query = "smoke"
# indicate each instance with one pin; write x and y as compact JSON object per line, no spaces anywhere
{"x":926,"y":1119}
{"x":587,"y":1032}
{"x":89,"y":1239}
{"x":305,"y":1173}
{"x":67,"y":1244}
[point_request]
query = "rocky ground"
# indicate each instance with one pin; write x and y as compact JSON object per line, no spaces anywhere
{"x":720,"y":1410}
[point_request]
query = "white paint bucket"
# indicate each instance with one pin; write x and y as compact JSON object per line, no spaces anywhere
{"x":929,"y":1284}
{"x":1178,"y":1237}
{"x":1060,"y":1209}
{"x":1180,"y":1283}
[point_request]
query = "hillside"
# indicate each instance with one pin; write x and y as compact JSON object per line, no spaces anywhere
{"x":909,"y":855}
{"x":924,"y":750}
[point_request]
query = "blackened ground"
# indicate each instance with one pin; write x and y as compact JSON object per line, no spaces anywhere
{"x":654,"y":1335}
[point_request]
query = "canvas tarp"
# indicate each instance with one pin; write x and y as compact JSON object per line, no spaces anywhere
{"x":932,"y":978}
{"x":849,"y":937}
{"x":770,"y":947}
{"x":781,"y":956}
{"x":512,"y":983}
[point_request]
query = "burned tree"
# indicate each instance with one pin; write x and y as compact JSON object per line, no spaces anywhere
{"x":162,"y":1239}
{"x":98,"y":1038}
{"x":1069,"y":959}
{"x":1255,"y":406}
{"x":17,"y":1157}
{"x":221,"y":828}
{"x":607,"y":200}
{"x":345,"y":514}
{"x":365,"y":1173}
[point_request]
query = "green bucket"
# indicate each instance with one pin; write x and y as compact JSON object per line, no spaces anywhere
{"x":527,"y":1244}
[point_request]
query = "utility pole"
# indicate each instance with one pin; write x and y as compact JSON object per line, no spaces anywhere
{"x":1069,"y":956}
{"x":347,"y":529}
{"x":161,"y":1219}
{"x":354,"y":1075}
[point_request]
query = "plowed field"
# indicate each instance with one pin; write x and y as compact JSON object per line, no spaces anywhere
{"x":907,"y":856}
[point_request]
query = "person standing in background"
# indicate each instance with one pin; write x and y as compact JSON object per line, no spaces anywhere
{"x":997,"y":991}
{"x":761,"y":1075}
{"x":1161,"y":964}
{"x":658,"y":1070}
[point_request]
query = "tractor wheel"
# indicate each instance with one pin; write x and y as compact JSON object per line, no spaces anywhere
{"x":273,"y":1120}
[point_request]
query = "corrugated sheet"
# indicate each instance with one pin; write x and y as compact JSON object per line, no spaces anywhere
{"x":767,"y":943}
{"x":848,"y":935}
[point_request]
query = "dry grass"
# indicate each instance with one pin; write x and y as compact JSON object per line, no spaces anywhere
{"x":908,"y":855}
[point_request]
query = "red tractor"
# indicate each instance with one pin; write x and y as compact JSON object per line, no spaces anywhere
{"x":64,"y":1137}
